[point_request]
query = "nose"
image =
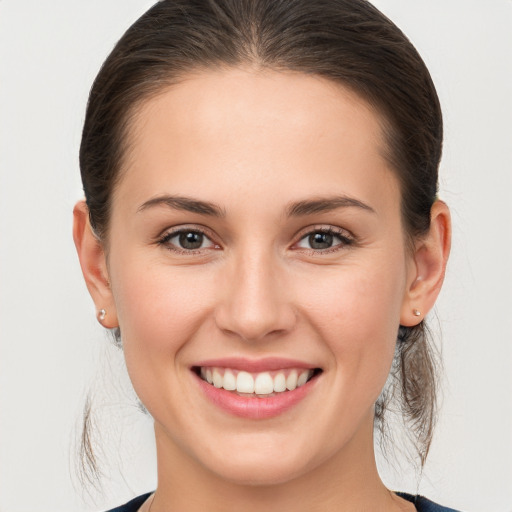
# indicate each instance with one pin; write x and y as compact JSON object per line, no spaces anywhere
{"x":254,"y":303}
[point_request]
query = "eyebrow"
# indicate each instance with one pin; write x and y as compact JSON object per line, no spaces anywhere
{"x":325,"y":204}
{"x":184,"y":203}
{"x":296,"y":209}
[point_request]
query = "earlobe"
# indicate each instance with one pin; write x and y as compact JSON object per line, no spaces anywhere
{"x":427,"y":274}
{"x":94,"y":266}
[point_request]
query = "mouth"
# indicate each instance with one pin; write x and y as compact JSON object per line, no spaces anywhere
{"x":255,"y":390}
{"x":256,"y":384}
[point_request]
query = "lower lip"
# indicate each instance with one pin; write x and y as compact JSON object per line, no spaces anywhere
{"x":253,"y":407}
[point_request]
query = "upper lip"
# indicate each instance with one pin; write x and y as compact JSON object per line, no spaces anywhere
{"x":255,"y":365}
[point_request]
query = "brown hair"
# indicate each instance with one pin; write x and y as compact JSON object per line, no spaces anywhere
{"x":347,"y":41}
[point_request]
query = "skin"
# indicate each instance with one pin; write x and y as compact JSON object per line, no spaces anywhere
{"x":254,"y":142}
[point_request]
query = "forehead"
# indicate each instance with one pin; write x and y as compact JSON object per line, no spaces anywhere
{"x":245,"y":130}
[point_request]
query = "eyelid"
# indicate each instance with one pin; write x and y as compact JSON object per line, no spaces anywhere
{"x":170,"y":233}
{"x":324,"y":228}
{"x":345,"y":235}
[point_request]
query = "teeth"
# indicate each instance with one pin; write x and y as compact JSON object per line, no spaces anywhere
{"x":218,"y":381}
{"x":244,"y":383}
{"x":291,"y":380}
{"x":265,"y":383}
{"x":229,"y":381}
{"x":279,"y":383}
{"x":303,"y":378}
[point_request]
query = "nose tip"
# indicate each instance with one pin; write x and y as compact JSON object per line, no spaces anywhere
{"x":252,"y":329}
{"x":255,"y":306}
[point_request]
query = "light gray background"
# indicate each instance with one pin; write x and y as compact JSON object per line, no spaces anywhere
{"x":52,"y":349}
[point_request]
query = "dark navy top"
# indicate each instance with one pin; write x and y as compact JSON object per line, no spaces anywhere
{"x":421,"y":504}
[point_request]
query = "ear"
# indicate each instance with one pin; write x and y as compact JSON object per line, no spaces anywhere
{"x":94,"y":266}
{"x":426,"y":274}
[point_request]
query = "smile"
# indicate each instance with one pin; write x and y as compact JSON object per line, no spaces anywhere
{"x":255,"y":390}
{"x":263,"y":384}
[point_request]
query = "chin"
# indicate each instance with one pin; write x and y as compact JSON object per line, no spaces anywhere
{"x":261,"y":475}
{"x":259,"y":467}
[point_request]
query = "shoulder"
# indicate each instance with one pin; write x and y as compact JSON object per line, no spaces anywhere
{"x":423,"y":504}
{"x":133,"y":505}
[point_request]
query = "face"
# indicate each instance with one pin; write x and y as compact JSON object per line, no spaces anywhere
{"x":256,"y":242}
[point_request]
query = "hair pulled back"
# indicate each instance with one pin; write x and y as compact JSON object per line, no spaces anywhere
{"x":347,"y":41}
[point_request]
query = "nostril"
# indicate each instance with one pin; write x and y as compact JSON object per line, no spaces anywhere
{"x":253,"y":313}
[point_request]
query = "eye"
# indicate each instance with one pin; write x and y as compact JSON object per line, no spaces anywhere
{"x":324,"y":239}
{"x":187,"y":240}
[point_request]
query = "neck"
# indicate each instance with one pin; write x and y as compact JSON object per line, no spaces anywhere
{"x":347,"y":481}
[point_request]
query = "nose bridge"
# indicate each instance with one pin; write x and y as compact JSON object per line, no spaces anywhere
{"x":254,"y":304}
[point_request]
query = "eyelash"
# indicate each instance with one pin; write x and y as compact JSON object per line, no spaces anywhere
{"x":338,"y":233}
{"x":346,"y":239}
{"x":164,"y":240}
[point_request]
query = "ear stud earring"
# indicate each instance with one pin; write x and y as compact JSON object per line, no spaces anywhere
{"x":416,"y":312}
{"x":102,"y":313}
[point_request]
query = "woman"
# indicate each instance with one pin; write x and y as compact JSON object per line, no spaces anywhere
{"x":261,"y":227}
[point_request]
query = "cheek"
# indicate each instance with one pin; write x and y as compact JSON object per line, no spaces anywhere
{"x":357,"y":313}
{"x":159,"y":309}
